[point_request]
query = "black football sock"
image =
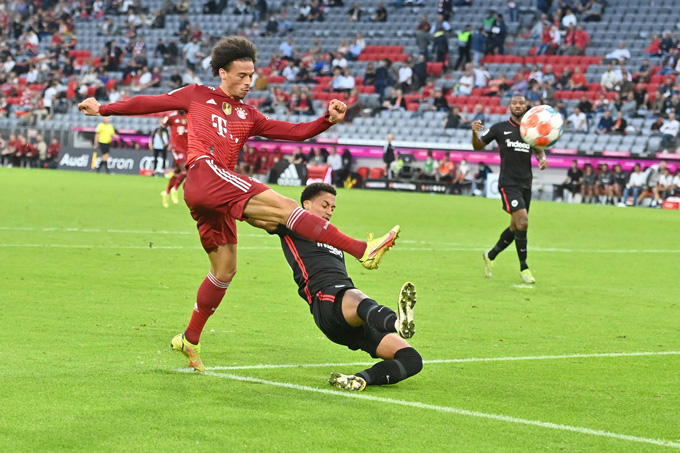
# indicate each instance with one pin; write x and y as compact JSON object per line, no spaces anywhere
{"x":106,"y":166}
{"x":506,"y":239}
{"x":521,"y":244}
{"x":406,"y":363}
{"x":380,"y":317}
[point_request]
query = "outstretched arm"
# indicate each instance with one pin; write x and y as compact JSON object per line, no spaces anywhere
{"x":140,"y":105}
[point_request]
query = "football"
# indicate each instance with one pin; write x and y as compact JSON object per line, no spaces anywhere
{"x":541,"y":126}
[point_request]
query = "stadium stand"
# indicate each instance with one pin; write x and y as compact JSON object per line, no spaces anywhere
{"x":70,"y":43}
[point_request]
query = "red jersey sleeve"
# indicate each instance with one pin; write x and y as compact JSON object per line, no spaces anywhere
{"x":140,"y":105}
{"x":283,"y":130}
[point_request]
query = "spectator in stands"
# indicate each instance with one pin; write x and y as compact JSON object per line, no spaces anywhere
{"x":654,"y":48}
{"x":41,"y":151}
{"x":577,"y":121}
{"x":406,"y":75}
{"x":358,"y":45}
{"x":355,"y":12}
{"x":564,"y":79}
{"x":346,"y":83}
{"x":299,"y":157}
{"x":568,"y":18}
{"x":339,"y":61}
{"x":315,"y":12}
{"x":667,"y":44}
{"x":455,"y":119}
{"x":499,"y":86}
{"x":440,"y":41}
{"x":606,"y":123}
{"x":420,"y":72}
{"x":479,"y":180}
{"x":620,"y":54}
{"x":466,"y":83}
{"x":383,"y":78}
{"x":286,"y":48}
{"x":578,"y":82}
{"x":290,"y":71}
{"x":53,"y":152}
{"x":608,"y":78}
{"x":588,"y":184}
{"x":664,"y":188}
{"x":550,"y":40}
{"x":498,"y":36}
{"x":369,"y":75}
{"x":593,"y":11}
{"x":572,"y":183}
{"x":655,"y":127}
{"x":304,"y":105}
{"x":464,"y":43}
{"x":669,"y":131}
{"x":636,"y":183}
{"x":478,"y":44}
{"x":394,"y":170}
{"x":620,"y":124}
{"x":112,"y":56}
{"x":429,"y":171}
{"x":423,"y":36}
{"x":380,"y":14}
{"x":675,"y":186}
{"x":624,"y":79}
{"x":672,"y":104}
{"x":440,"y":103}
{"x":446,"y":170}
{"x":482,"y":76}
{"x":396,"y":102}
{"x":644,"y":72}
{"x":316,"y":158}
{"x":445,"y":7}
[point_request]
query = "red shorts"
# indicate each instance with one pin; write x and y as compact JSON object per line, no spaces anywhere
{"x":216,"y":197}
{"x":180,"y":158}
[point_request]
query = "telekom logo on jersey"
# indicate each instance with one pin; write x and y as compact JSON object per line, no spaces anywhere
{"x":220,"y":124}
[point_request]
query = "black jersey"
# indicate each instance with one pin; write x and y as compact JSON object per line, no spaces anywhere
{"x":515,"y":154}
{"x":315,"y":265}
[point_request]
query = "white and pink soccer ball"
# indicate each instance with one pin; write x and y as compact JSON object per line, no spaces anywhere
{"x":541,"y":126}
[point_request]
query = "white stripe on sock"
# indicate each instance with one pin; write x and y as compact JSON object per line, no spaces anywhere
{"x":219,"y":283}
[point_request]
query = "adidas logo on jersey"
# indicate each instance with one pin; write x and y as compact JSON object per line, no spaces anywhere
{"x":289,"y":177}
{"x":211,"y":101}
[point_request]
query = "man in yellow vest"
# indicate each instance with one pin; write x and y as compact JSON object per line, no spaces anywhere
{"x":102,"y":140}
{"x":463,"y":48}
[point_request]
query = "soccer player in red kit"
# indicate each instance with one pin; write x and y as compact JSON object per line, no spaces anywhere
{"x":219,"y":125}
{"x":179,"y":145}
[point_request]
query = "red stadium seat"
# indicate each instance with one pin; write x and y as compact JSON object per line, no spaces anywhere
{"x":363,"y":172}
{"x":377,"y":173}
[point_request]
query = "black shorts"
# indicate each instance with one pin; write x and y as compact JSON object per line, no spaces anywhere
{"x":327,"y":312}
{"x":104,"y":147}
{"x":515,"y":198}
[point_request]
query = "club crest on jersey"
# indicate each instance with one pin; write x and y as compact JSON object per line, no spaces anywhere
{"x":241,"y":113}
{"x":226,"y":108}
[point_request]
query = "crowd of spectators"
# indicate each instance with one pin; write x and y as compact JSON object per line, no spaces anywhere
{"x":28,"y":152}
{"x":616,"y":187}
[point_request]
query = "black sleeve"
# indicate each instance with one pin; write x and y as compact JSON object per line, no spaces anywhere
{"x":281,"y":230}
{"x":490,"y":135}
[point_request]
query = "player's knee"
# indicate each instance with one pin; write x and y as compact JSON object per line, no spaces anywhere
{"x":225,"y":273}
{"x":410,"y":360}
{"x":522,"y":223}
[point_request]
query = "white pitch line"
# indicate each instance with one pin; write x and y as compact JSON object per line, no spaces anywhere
{"x":441,"y":246}
{"x":465,"y":360}
{"x":450,"y":410}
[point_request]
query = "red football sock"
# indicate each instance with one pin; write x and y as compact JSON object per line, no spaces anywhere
{"x":317,"y":229}
{"x":179,"y":178}
{"x":171,"y":183}
{"x":210,"y":294}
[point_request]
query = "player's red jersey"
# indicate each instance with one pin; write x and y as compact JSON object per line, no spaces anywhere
{"x":219,"y":125}
{"x":179,"y":131}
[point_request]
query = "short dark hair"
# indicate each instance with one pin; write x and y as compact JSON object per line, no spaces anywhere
{"x":230,"y":49}
{"x":314,"y":189}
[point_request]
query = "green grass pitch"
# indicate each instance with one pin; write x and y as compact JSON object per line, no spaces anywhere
{"x":96,"y":277}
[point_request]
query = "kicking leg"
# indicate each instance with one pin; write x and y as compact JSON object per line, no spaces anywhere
{"x":270,"y":206}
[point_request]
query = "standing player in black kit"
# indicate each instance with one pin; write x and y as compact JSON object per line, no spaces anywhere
{"x":514,"y":182}
{"x":342,"y":312}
